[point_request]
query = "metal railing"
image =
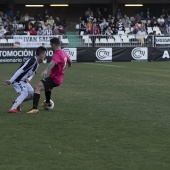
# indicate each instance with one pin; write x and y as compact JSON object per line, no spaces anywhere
{"x":73,"y":41}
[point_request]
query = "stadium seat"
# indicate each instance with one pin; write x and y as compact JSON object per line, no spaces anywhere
{"x":115,"y":36}
{"x":82,"y":33}
{"x":77,"y":27}
{"x":20,"y":26}
{"x":146,"y":36}
{"x":65,"y":41}
{"x":126,"y":40}
{"x":32,"y":22}
{"x":103,"y":41}
{"x":149,"y":28}
{"x":127,"y":32}
{"x":117,"y":39}
{"x":158,"y":32}
{"x":97,"y":41}
{"x":156,"y":29}
{"x":139,"y":25}
{"x":143,"y":21}
{"x":88,"y":41}
{"x":121,"y":32}
{"x":123,"y":36}
{"x":61,"y":36}
{"x":150,"y":31}
{"x":10,"y":41}
{"x":131,"y":36}
{"x":3,"y":41}
{"x":85,"y":37}
{"x":42,"y":22}
{"x":127,"y":29}
{"x":131,"y":29}
{"x":111,"y":41}
{"x":132,"y":18}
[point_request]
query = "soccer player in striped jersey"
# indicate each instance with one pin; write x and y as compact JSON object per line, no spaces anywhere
{"x":56,"y":67}
{"x":20,"y":80}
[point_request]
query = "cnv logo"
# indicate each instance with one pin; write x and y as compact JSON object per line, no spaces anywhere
{"x":104,"y":53}
{"x":71,"y":52}
{"x":140,"y":53}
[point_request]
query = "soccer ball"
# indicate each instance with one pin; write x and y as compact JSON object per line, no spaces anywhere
{"x":49,"y":107}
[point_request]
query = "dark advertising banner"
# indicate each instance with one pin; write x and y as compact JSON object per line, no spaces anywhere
{"x":94,"y":54}
{"x":130,"y":53}
{"x":18,"y":55}
{"x":111,"y":54}
{"x":86,"y":55}
{"x":159,"y":54}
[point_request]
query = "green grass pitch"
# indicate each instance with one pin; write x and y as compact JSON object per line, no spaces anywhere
{"x":107,"y":116}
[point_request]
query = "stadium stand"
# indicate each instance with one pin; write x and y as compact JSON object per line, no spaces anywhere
{"x":115,"y":29}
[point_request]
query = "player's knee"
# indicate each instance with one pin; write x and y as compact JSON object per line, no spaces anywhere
{"x":38,"y":87}
{"x":31,"y":94}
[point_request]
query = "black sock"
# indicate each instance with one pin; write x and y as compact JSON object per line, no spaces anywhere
{"x":48,"y":96}
{"x":36,"y":98}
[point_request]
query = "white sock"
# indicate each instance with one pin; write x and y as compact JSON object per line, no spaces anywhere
{"x":20,"y":99}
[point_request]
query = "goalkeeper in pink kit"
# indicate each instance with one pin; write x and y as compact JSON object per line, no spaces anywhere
{"x":56,"y":67}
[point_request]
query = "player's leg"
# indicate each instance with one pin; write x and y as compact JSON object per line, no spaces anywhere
{"x":36,"y":97}
{"x":46,"y":84}
{"x":48,"y":98}
{"x":49,"y":85}
{"x":142,"y":42}
{"x":40,"y":87}
{"x":48,"y":95}
{"x":30,"y":92}
{"x":21,"y":89}
{"x":47,"y":103}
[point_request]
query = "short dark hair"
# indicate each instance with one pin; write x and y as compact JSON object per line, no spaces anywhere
{"x":55,"y":41}
{"x":40,"y":50}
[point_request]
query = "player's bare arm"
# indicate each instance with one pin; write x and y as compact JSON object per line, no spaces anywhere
{"x":30,"y":77}
{"x":49,"y":67}
{"x":6,"y":82}
{"x":69,"y":64}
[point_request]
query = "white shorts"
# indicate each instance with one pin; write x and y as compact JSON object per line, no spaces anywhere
{"x":22,"y":86}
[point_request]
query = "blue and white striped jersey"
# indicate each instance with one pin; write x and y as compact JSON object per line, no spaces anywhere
{"x":48,"y":32}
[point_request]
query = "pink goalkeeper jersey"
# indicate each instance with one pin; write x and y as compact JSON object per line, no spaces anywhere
{"x":57,"y":72}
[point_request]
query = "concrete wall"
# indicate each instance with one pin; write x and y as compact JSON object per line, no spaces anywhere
{"x":144,"y":1}
{"x":83,"y":1}
{"x":58,"y":1}
{"x":73,"y":12}
{"x":155,"y":9}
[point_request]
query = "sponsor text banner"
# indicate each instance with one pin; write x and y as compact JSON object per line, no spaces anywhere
{"x":162,"y":40}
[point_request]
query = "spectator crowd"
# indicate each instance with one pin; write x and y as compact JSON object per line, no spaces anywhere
{"x":13,"y":23}
{"x":100,"y":22}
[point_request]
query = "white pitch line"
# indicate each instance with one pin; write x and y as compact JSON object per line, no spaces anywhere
{"x":107,"y":65}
